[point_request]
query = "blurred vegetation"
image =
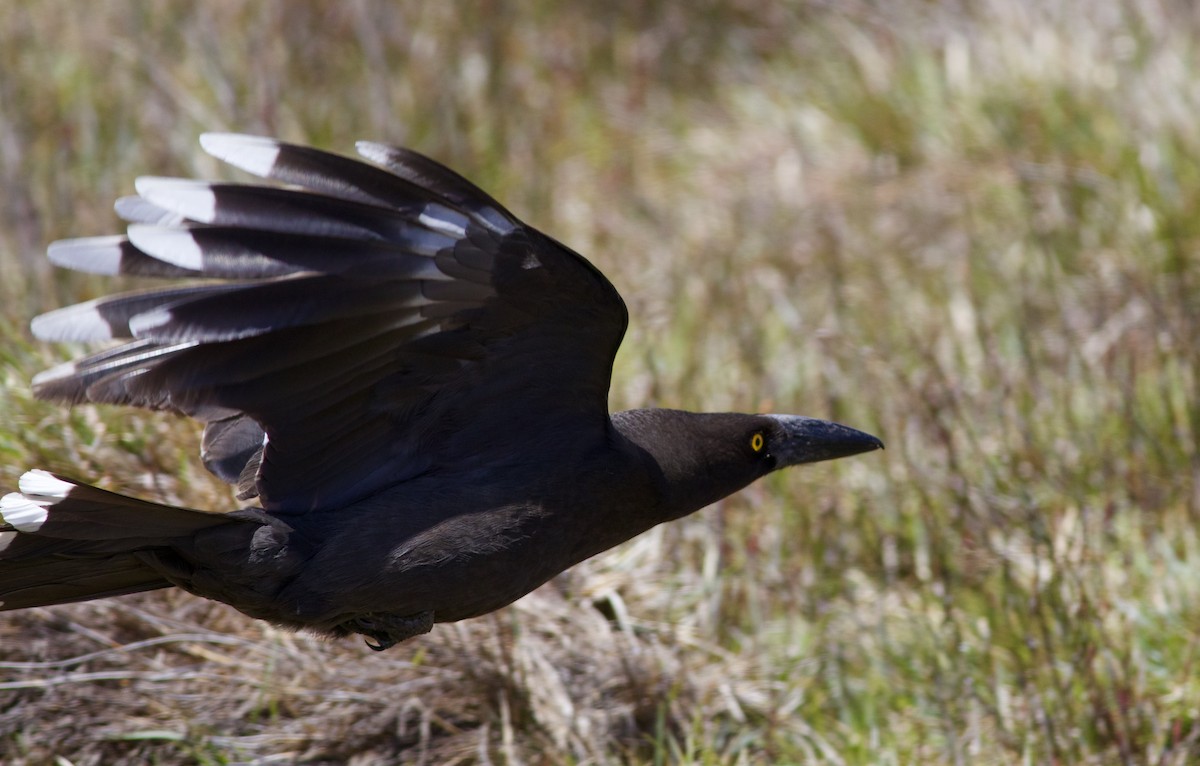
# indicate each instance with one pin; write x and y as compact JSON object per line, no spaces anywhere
{"x":969,"y":228}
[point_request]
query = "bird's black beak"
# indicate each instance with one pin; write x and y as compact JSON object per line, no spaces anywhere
{"x":808,"y":440}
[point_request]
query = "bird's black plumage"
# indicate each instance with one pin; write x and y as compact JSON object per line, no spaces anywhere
{"x":408,"y":385}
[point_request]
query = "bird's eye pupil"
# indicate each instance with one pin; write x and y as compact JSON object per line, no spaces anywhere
{"x":756,"y":442}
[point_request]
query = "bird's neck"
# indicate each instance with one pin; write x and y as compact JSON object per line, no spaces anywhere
{"x":671,"y":448}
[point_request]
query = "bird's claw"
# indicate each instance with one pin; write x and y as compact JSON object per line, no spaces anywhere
{"x":387,"y":630}
{"x":384,"y":643}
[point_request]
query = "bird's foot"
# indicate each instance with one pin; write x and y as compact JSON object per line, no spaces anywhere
{"x":390,"y":629}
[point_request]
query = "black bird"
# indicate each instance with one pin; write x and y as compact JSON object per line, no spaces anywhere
{"x":408,"y":385}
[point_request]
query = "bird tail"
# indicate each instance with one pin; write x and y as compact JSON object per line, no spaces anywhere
{"x":63,"y":541}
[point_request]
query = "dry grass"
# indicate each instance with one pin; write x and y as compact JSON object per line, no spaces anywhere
{"x":971,"y":230}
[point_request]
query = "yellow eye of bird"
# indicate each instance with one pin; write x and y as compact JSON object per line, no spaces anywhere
{"x":756,"y":442}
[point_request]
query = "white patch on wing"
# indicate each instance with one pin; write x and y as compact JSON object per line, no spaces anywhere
{"x":6,"y":539}
{"x":176,"y":246}
{"x":486,"y":214}
{"x":191,"y":199}
{"x":374,"y":151}
{"x":253,"y":154}
{"x":146,"y":322}
{"x":443,"y":219}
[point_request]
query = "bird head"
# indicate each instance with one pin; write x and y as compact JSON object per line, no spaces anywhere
{"x":703,"y":457}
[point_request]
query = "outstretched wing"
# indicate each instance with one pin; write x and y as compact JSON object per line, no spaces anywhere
{"x":359,"y":325}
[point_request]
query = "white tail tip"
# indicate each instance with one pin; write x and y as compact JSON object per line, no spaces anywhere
{"x":24,"y":514}
{"x":43,"y":484}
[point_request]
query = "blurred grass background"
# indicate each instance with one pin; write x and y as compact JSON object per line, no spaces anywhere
{"x":969,"y":228}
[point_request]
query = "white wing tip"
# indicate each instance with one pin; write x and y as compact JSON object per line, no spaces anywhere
{"x":171,"y":245}
{"x":188,"y":198}
{"x":253,"y":154}
{"x":57,"y":372}
{"x":92,"y":255}
{"x":79,"y":323}
{"x":134,"y":209}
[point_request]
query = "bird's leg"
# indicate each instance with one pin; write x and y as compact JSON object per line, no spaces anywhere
{"x":390,"y":629}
